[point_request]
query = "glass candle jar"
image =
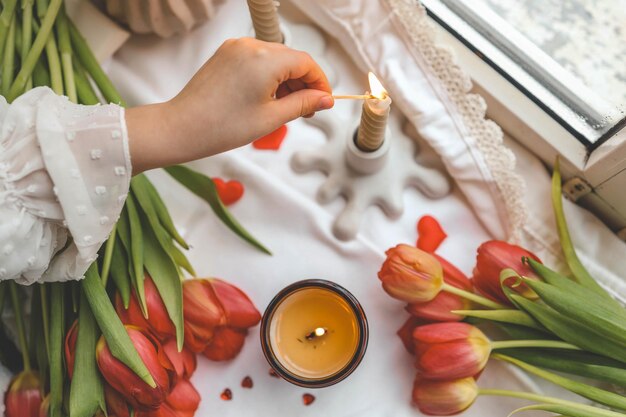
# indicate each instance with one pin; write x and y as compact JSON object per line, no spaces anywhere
{"x":314,"y":333}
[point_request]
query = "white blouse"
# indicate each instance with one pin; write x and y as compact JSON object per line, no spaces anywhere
{"x":64,"y":176}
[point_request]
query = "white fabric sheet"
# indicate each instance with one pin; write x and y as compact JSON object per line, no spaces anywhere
{"x":279,"y":208}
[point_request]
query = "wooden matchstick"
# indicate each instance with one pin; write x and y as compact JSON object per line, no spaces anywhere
{"x":354,"y":96}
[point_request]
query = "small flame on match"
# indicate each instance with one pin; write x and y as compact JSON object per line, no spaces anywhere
{"x":376,"y":88}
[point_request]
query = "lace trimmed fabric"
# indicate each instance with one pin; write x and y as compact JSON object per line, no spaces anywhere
{"x":64,"y":176}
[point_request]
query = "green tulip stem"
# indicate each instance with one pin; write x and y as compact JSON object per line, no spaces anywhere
{"x":27,"y":34}
{"x":45,"y":316}
{"x":552,"y":344}
{"x":29,"y":62}
{"x":19,"y":323}
{"x":549,"y":400}
{"x":485,"y":302}
{"x":108,"y":256}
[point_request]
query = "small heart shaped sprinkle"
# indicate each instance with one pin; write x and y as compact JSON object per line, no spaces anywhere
{"x":271,"y":141}
{"x":247,"y":382}
{"x":308,"y":399}
{"x":229,"y":191}
{"x":226,"y":395}
{"x":430,"y":234}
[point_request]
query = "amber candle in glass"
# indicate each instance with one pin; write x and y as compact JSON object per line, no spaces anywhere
{"x":314,"y":333}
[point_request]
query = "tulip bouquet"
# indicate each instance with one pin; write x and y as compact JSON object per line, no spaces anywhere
{"x":123,"y":340}
{"x":542,"y":321}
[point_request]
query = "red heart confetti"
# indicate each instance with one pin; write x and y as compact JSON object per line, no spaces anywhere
{"x":273,"y":373}
{"x":247,"y":382}
{"x":226,"y":395}
{"x":430,"y":234}
{"x":229,"y":191}
{"x":271,"y":141}
{"x":308,"y":399}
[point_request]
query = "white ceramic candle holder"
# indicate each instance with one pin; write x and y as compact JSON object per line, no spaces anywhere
{"x":366,"y":178}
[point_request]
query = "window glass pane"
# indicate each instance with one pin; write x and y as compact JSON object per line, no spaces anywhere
{"x":573,"y":52}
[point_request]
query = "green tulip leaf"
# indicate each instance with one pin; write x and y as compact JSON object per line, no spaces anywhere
{"x":86,"y":389}
{"x":204,"y":187}
{"x":38,"y":340}
{"x":114,"y":332}
{"x":57,"y":334}
{"x":581,"y":363}
{"x":119,"y":272}
{"x":517,"y":332}
{"x":596,"y":394}
{"x":140,"y":190}
{"x":578,"y":270}
{"x":571,"y":330}
{"x":136,"y":251}
{"x":504,"y":316}
{"x":566,"y":284}
{"x":582,"y":307}
{"x":579,"y":410}
{"x":164,"y":273}
{"x":160,"y":209}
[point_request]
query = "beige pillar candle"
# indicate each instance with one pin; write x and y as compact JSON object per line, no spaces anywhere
{"x":265,"y":20}
{"x":371,"y":133}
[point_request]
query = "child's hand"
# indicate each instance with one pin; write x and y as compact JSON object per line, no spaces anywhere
{"x":247,"y":89}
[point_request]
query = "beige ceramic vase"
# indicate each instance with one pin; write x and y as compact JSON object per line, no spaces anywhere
{"x":162,"y":17}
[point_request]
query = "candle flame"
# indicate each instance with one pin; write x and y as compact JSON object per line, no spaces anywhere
{"x":376,"y":88}
{"x":320,"y":331}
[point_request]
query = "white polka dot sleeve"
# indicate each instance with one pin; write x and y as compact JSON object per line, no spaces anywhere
{"x":64,"y":176}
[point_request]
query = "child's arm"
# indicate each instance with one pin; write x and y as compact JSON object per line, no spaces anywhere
{"x":246,"y":90}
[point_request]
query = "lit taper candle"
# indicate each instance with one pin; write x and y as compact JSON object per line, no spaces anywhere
{"x":264,"y":15}
{"x":371,"y":133}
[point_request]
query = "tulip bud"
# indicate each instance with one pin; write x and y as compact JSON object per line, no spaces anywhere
{"x":239,"y":310}
{"x":410,"y":274}
{"x":158,"y":320}
{"x":70,"y":348}
{"x":450,"y":350}
{"x":116,"y":405}
{"x":439,"y":308}
{"x":491,"y":259}
{"x":212,"y":303}
{"x":184,"y":399}
{"x":184,"y":362}
{"x":202,"y":313}
{"x":130,"y":386}
{"x":444,"y":398}
{"x":405,"y":333}
{"x":23,"y":398}
{"x":226,"y":344}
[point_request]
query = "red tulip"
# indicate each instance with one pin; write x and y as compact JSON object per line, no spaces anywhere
{"x":163,"y":411}
{"x":158,"y":320}
{"x":410,"y":274}
{"x":405,"y":333}
{"x":116,"y":405}
{"x":239,"y":310}
{"x":132,"y":388}
{"x":492,"y":258}
{"x":70,"y":347}
{"x":184,"y":362}
{"x":212,"y":303}
{"x":444,"y":398}
{"x":439,"y":308}
{"x":226,"y":344}
{"x":450,"y":350}
{"x":23,"y":398}
{"x":184,"y":399}
{"x":202,"y":313}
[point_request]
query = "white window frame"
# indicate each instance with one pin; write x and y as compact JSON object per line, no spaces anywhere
{"x":602,"y":166}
